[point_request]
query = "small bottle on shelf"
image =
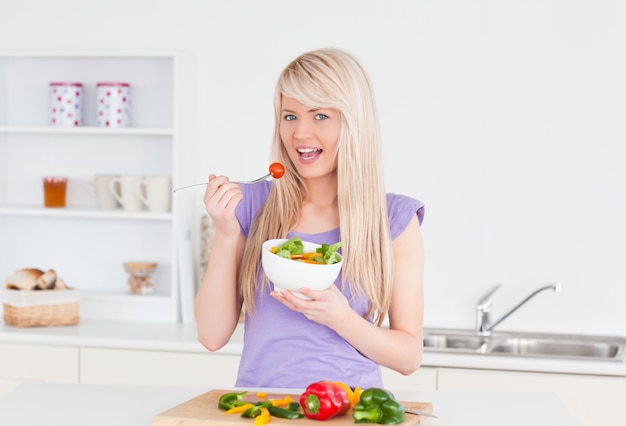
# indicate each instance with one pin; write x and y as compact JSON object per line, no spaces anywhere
{"x":141,"y":276}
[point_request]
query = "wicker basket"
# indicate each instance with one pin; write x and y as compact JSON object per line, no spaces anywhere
{"x":40,"y":308}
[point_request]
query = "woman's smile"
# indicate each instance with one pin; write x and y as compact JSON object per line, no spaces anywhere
{"x":309,"y":155}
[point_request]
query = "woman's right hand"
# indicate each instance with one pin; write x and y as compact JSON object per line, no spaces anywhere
{"x":221,"y":197}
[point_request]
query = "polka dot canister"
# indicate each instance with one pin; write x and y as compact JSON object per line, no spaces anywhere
{"x":114,"y":104}
{"x":66,"y":104}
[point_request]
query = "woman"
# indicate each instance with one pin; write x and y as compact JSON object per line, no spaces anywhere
{"x":327,"y":137}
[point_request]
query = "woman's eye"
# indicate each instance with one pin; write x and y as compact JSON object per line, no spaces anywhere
{"x":290,"y":117}
{"x":321,"y":116}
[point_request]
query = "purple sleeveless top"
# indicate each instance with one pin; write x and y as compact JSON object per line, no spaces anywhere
{"x":282,"y":348}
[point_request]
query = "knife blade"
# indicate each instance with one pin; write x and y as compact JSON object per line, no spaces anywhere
{"x":419,"y":413}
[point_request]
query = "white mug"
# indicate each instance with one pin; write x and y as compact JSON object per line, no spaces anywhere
{"x":123,"y":189}
{"x":155,"y":192}
{"x":99,"y":190}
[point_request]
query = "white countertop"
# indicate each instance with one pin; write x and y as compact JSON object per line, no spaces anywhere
{"x":183,"y":338}
{"x":51,"y":404}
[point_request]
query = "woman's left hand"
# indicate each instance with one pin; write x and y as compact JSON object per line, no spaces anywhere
{"x":327,"y":307}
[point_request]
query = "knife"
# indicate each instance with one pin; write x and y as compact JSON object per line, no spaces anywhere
{"x":419,"y":413}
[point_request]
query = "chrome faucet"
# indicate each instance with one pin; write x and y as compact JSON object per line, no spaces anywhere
{"x":484,"y":327}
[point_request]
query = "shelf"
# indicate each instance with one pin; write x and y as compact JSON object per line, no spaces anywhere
{"x":87,"y":130}
{"x":122,"y":297}
{"x":25,"y":82}
{"x":89,"y":245}
{"x":82,"y":213}
{"x":125,"y":306}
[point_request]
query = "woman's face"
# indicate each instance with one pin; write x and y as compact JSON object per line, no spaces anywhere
{"x":310,"y":137}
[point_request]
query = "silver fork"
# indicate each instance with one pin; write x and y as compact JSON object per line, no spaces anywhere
{"x":241,"y":181}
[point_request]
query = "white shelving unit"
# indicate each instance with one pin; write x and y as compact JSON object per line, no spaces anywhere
{"x":85,"y":245}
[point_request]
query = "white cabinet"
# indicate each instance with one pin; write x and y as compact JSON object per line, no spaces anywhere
{"x":594,"y":400}
{"x":109,"y":366}
{"x":24,"y":363}
{"x":424,"y":379}
{"x":85,"y":245}
{"x":119,"y":366}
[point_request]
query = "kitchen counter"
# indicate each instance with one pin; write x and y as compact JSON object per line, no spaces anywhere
{"x":182,"y":338}
{"x":52,"y":404}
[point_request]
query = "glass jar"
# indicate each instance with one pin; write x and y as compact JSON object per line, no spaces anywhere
{"x":54,"y":190}
{"x":140,"y":276}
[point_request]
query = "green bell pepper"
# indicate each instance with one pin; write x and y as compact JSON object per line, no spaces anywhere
{"x":255,"y":410}
{"x":291,"y":412}
{"x":231,"y":399}
{"x":378,"y":406}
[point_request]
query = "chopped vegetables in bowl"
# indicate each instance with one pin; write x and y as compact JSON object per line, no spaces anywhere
{"x":293,"y":249}
{"x":293,"y":264}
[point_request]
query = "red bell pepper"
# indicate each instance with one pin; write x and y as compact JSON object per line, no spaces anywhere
{"x":324,"y":400}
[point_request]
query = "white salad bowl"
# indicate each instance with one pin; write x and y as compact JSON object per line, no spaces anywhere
{"x":293,"y":275}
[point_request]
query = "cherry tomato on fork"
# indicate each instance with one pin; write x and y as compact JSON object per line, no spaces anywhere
{"x":277,"y":170}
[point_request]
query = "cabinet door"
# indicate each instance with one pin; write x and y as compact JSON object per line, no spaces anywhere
{"x":117,"y":366}
{"x":594,"y":400}
{"x":424,"y":379}
{"x":24,"y":363}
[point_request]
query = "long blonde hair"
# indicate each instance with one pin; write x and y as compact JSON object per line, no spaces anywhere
{"x":332,"y":78}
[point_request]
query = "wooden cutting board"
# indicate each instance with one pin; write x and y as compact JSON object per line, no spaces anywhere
{"x":203,"y":411}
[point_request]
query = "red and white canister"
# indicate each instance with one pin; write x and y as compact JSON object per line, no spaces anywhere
{"x":66,"y":104}
{"x":113,"y":104}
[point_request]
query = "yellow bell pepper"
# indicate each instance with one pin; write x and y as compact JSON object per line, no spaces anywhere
{"x":262,"y":418}
{"x":239,"y":409}
{"x":281,"y":402}
{"x":357,"y":395}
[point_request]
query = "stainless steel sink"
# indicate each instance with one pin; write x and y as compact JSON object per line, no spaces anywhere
{"x":597,"y":349}
{"x":605,"y":348}
{"x":454,"y":341}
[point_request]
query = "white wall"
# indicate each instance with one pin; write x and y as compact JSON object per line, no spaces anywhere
{"x":505,"y":117}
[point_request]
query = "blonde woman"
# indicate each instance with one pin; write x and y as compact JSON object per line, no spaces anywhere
{"x":327,"y":137}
